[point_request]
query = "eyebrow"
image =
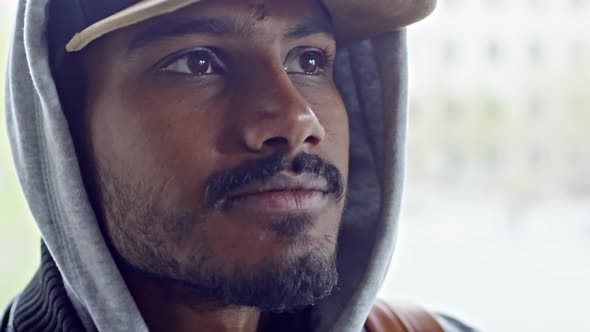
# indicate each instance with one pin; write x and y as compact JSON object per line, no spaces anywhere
{"x":171,"y":28}
{"x":217,"y":26}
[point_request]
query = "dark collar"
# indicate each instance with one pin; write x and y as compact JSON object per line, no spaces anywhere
{"x":44,"y":304}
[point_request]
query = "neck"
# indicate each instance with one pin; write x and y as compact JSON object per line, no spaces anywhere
{"x":166,"y":309}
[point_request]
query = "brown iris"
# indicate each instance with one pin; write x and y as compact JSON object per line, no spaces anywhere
{"x":311,"y":62}
{"x":199,"y":62}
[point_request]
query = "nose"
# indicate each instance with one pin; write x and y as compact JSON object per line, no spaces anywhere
{"x":280,"y":119}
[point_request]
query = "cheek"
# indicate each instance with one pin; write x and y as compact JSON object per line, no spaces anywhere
{"x":159,"y":139}
{"x":331,"y":112}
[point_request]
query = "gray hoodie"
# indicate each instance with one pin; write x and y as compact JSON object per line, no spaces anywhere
{"x":371,"y":76}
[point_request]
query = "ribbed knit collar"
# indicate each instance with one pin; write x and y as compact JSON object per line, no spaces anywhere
{"x":44,"y":304}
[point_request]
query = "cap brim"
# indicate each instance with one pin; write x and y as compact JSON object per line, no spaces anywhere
{"x":358,"y":20}
{"x":353,"y":20}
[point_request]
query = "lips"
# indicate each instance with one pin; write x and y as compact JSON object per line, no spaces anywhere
{"x":283,"y":183}
{"x":281,"y":194}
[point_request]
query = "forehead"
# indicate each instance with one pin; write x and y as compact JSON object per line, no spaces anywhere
{"x":260,"y":10}
{"x":237,"y":18}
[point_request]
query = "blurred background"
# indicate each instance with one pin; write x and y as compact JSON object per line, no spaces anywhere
{"x":496,"y":217}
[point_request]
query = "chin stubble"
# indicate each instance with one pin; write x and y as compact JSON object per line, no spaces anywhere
{"x":140,"y":230}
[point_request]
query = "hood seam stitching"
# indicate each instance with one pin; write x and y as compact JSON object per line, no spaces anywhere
{"x":48,"y":182}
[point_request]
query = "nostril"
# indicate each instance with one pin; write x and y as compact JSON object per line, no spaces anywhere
{"x":276,"y":141}
{"x":313,"y":140}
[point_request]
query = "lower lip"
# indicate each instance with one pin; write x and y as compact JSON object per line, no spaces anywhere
{"x":280,"y":201}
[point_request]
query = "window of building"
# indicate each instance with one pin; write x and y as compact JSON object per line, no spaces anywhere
{"x":454,"y":164}
{"x":535,"y":155}
{"x":450,"y":52}
{"x":494,"y":52}
{"x":452,"y":3}
{"x":493,"y":110}
{"x":493,"y":158}
{"x":535,"y":51}
{"x":579,"y":53}
{"x":535,"y":107}
{"x":452,"y":111}
{"x":579,"y":4}
{"x":415,"y":110}
{"x":536,"y":4}
{"x":493,"y":4}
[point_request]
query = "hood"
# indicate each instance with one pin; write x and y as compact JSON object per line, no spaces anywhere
{"x":371,"y":76}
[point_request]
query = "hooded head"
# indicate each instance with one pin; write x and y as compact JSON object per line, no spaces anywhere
{"x":242,"y":153}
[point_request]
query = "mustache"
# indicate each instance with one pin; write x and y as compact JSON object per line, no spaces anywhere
{"x":220,"y":185}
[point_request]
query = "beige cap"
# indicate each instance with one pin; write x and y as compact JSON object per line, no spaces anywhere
{"x":353,"y":20}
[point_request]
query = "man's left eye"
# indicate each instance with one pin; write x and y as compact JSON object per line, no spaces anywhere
{"x":308,"y":61}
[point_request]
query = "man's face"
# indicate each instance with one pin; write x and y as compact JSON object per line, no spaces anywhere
{"x":220,"y":149}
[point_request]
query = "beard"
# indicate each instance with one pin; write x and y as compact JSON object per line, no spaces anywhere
{"x":142,"y":234}
{"x":276,"y":285}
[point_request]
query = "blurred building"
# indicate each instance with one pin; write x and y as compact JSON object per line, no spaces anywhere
{"x":500,"y":96}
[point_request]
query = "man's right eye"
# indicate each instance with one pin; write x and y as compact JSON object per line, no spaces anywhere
{"x":202,"y":61}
